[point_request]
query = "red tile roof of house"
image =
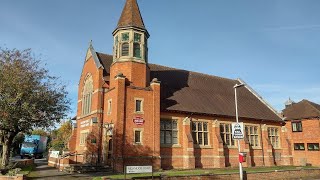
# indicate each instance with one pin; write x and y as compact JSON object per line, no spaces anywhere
{"x":302,"y":110}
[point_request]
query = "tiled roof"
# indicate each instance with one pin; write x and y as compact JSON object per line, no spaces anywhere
{"x":192,"y":92}
{"x":106,"y":61}
{"x":131,"y":15}
{"x":302,"y":110}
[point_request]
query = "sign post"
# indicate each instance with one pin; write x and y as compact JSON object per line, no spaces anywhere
{"x":237,"y":128}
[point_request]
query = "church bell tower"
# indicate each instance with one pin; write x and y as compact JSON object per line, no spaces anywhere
{"x":130,"y":47}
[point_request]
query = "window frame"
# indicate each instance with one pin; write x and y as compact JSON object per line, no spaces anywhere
{"x":127,"y":51}
{"x":299,"y":149}
{"x":231,"y":141}
{"x":253,"y":138}
{"x":83,"y":137}
{"x":202,"y":131}
{"x":141,"y":105}
{"x":87,"y":94}
{"x":172,"y":130}
{"x":138,"y":46}
{"x":313,"y":144}
{"x":140,"y":130}
{"x":296,"y":123}
{"x":276,"y":135}
{"x":122,"y":36}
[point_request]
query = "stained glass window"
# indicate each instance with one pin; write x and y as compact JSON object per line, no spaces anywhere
{"x":137,"y":37}
{"x":125,"y":37}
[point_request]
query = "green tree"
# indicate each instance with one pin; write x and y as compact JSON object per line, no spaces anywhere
{"x":64,"y":132}
{"x":61,"y":136}
{"x":40,"y":132}
{"x":29,"y":97}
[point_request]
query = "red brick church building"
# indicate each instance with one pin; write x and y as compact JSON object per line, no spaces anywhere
{"x":132,"y":112}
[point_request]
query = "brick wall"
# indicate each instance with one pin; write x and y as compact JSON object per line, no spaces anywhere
{"x":310,"y":134}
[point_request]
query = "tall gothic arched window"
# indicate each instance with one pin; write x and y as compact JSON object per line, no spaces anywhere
{"x":87,"y":95}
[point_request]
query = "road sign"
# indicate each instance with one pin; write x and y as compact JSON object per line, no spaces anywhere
{"x":138,"y":169}
{"x":237,"y":130}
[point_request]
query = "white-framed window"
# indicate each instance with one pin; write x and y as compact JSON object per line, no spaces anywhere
{"x":274,"y":137}
{"x":87,"y":95}
{"x":296,"y":126}
{"x":83,"y":137}
{"x":109,"y":106}
{"x":138,"y":105}
{"x":138,"y":136}
{"x":200,"y":133}
{"x":226,"y":134}
{"x":252,"y":134}
{"x":168,"y":131}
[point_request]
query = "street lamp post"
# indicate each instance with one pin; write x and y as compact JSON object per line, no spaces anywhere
{"x":237,"y":119}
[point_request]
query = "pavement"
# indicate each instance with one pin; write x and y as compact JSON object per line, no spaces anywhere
{"x":43,"y":171}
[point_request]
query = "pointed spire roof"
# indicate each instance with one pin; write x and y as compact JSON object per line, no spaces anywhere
{"x":131,"y":15}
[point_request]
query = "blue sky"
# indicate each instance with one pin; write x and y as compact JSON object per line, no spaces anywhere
{"x":273,"y":45}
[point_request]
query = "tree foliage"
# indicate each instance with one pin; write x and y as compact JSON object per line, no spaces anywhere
{"x":40,"y":132}
{"x":29,"y":97}
{"x":61,"y":136}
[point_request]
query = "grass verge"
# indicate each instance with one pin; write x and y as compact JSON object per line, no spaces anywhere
{"x":208,"y":171}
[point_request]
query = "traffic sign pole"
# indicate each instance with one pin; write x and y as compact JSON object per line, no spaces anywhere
{"x":239,"y":150}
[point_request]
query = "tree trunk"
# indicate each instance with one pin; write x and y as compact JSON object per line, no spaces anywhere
{"x":6,"y":146}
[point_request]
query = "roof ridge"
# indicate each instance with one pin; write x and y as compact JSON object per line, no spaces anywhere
{"x":312,"y":104}
{"x":197,"y":72}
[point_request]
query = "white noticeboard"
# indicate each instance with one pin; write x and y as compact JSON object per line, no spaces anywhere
{"x":138,"y":169}
{"x":54,"y":154}
{"x":237,"y":130}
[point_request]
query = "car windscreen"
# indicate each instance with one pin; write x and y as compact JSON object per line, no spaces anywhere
{"x":28,"y":145}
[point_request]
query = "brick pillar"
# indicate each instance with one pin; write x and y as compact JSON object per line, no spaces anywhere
{"x":187,"y":144}
{"x":155,"y":85}
{"x":118,"y":140}
{"x":267,"y":147}
{"x":218,"y":150}
{"x":286,"y":146}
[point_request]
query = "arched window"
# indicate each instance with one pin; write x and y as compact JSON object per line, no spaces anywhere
{"x":125,"y":49}
{"x":87,"y":95}
{"x":136,"y":50}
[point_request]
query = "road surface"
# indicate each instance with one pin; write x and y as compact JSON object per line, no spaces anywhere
{"x":43,"y":171}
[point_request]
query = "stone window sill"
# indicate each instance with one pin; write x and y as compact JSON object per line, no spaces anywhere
{"x":170,"y":145}
{"x":203,"y":147}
